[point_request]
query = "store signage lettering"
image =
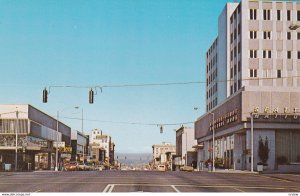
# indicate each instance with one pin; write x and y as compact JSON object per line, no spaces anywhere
{"x":33,"y":141}
{"x":228,"y":118}
{"x":267,"y":112}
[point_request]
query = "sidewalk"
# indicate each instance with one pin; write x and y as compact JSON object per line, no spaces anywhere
{"x":229,"y":171}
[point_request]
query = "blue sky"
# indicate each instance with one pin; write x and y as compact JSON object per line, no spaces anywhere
{"x":99,"y":42}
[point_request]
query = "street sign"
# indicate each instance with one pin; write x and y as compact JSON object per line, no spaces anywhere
{"x":67,"y":150}
{"x":59,"y":144}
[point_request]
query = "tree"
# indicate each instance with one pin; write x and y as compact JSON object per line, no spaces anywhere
{"x":263,"y":150}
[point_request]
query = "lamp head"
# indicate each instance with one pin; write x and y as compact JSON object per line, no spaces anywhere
{"x":293,"y":27}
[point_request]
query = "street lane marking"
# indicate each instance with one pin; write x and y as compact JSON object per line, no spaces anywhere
{"x":269,"y":177}
{"x":238,"y":189}
{"x":175,"y":189}
{"x":111,"y":188}
{"x":108,"y":188}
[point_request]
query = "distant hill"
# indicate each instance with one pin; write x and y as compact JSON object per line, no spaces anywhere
{"x":133,"y":158}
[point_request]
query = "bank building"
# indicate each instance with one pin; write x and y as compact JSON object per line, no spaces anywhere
{"x":253,"y":89}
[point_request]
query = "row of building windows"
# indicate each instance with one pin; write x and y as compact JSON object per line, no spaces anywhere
{"x":212,"y":91}
{"x":267,"y":14}
{"x":268,"y":35}
{"x":212,"y":77}
{"x":267,"y":73}
{"x":212,"y":62}
{"x":236,"y":50}
{"x":267,"y":54}
{"x":235,"y":86}
{"x":235,"y":69}
{"x":212,"y":104}
{"x":212,"y":48}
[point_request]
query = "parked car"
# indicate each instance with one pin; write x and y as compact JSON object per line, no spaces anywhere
{"x":186,"y":168}
{"x":71,"y":166}
{"x":99,"y":168}
{"x":161,"y":168}
{"x":83,"y":167}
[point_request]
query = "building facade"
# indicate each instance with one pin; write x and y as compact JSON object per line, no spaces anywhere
{"x":80,"y":146}
{"x":253,"y":70}
{"x":35,"y":133}
{"x":102,"y":147}
{"x":185,"y":140}
{"x":162,"y":154}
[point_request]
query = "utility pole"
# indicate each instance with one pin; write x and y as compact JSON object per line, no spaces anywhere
{"x":252,"y":132}
{"x":56,"y":150}
{"x":17,"y":128}
{"x":84,"y":144}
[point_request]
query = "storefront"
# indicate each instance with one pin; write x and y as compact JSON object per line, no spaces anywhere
{"x":276,"y":130}
{"x":35,"y":133}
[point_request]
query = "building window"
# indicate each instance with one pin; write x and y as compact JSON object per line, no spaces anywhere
{"x":253,"y":34}
{"x":298,"y":15}
{"x":288,"y":15}
{"x":298,"y":35}
{"x":278,"y":73}
{"x":288,"y":35}
{"x":267,"y":34}
{"x":253,"y":53}
{"x":253,"y":73}
{"x":231,"y":37}
{"x":289,"y":54}
{"x":278,"y":14}
{"x":252,"y":14}
{"x":298,"y":54}
{"x":267,"y":54}
{"x":234,"y":34}
{"x":234,"y":51}
{"x":267,"y":14}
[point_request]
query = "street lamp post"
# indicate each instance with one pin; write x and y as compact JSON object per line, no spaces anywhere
{"x":84,"y":144}
{"x":17,"y":128}
{"x":57,"y":127}
{"x":213,"y":130}
{"x":56,"y":150}
{"x":186,"y":148}
{"x":252,"y":132}
{"x":294,"y":27}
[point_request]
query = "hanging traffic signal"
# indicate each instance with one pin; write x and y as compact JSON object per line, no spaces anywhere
{"x":161,"y":129}
{"x":91,"y":96}
{"x":45,"y":95}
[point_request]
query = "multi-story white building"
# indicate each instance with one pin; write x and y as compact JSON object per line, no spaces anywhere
{"x":100,"y":145}
{"x":161,"y":151}
{"x":253,"y":67}
{"x":185,"y":140}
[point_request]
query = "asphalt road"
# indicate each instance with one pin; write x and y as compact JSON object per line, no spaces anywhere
{"x":147,"y":181}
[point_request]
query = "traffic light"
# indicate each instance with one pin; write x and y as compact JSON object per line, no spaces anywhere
{"x":45,"y":95}
{"x":91,"y":96}
{"x":161,"y":129}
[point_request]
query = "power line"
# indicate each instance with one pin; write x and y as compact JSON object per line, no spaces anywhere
{"x":128,"y":123}
{"x":168,"y":83}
